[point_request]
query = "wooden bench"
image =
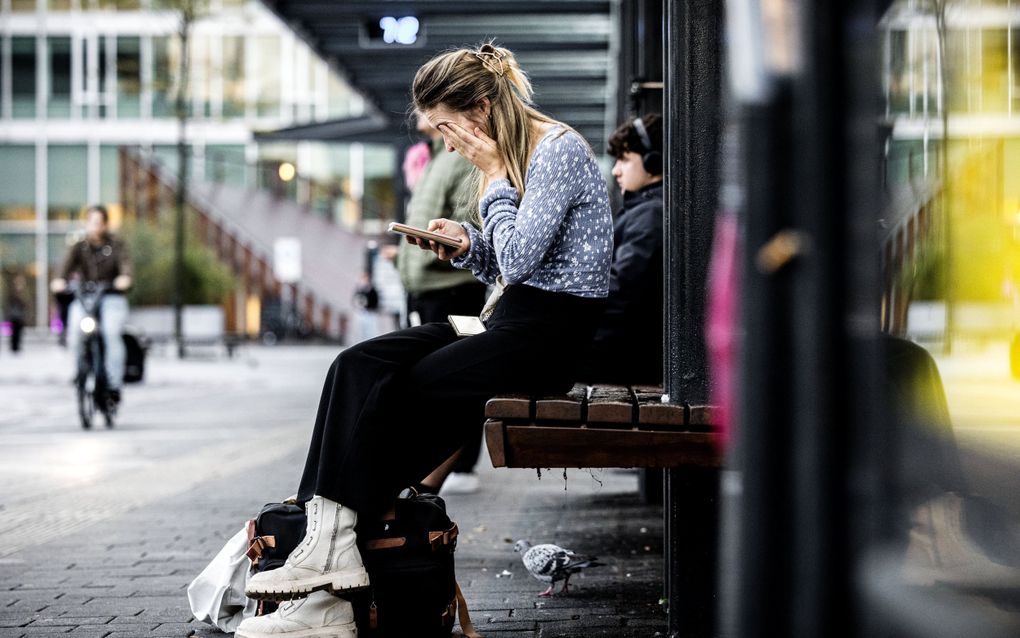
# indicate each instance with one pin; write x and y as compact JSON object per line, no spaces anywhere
{"x":599,"y":426}
{"x":630,"y":426}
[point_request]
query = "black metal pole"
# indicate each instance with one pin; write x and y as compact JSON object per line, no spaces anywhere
{"x":811,"y":370}
{"x":187,"y":17}
{"x":692,"y":85}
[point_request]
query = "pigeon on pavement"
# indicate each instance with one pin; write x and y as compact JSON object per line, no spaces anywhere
{"x":552,"y":563}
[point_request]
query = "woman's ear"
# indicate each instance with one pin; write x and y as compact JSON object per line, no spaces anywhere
{"x":484,"y":107}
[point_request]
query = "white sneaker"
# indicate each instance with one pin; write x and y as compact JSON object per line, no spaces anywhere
{"x":321,"y":615}
{"x":460,"y":483}
{"x":328,"y":557}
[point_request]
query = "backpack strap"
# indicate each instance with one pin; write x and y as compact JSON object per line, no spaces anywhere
{"x":466,"y":627}
{"x":444,"y":538}
{"x":259,"y":545}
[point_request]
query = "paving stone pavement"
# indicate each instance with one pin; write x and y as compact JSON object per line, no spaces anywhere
{"x":124,"y":544}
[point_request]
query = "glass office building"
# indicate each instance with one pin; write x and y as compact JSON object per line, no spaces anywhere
{"x":79,"y":78}
{"x":973,"y":88}
{"x":982,"y":71}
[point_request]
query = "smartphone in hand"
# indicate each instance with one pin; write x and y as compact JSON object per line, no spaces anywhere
{"x":427,"y":235}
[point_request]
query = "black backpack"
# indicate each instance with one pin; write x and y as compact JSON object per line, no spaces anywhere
{"x":409,"y":558}
{"x":272,"y":536}
{"x":279,"y":528}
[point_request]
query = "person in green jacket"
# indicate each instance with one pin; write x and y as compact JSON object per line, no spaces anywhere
{"x":447,"y":188}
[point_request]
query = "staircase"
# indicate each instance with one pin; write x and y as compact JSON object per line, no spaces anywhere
{"x":241,"y":226}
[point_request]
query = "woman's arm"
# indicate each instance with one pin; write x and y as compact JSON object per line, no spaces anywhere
{"x":521,"y":231}
{"x":479,"y":258}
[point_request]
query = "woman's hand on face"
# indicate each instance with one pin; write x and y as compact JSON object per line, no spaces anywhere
{"x":477,"y":147}
{"x":444,"y":227}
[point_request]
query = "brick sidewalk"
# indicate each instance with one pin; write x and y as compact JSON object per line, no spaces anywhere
{"x":124,"y":575}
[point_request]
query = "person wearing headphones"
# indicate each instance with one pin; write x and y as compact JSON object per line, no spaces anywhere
{"x":628,"y":344}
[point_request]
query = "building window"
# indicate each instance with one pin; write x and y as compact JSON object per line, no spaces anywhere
{"x":129,"y":77}
{"x":268,"y":62}
{"x":19,"y":6}
{"x":338,"y":98}
{"x":58,"y":94}
{"x":225,"y":164}
{"x":201,"y":70}
{"x":109,"y":176}
{"x":23,"y":62}
{"x":59,"y":5}
{"x":165,"y":54}
{"x":121,"y":5}
{"x":979,"y":73}
{"x":233,"y":76}
{"x":378,"y":201}
{"x":66,"y":171}
{"x":898,"y":77}
{"x":167,"y":156}
{"x":994,"y":71}
{"x":311,"y":79}
{"x":58,"y":245}
{"x":912,"y":74}
{"x":17,"y":183}
{"x":106,"y":75}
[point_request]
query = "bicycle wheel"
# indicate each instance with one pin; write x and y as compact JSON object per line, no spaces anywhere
{"x":86,"y":406}
{"x":109,"y":410}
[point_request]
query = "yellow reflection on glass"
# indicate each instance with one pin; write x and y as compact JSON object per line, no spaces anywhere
{"x":951,"y":246}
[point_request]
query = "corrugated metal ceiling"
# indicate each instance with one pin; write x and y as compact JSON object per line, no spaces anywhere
{"x":564,"y":45}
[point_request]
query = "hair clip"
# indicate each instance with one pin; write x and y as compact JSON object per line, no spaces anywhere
{"x":492,"y":60}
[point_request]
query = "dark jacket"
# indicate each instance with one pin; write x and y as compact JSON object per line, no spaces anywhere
{"x":102,"y":263}
{"x":628,"y":345}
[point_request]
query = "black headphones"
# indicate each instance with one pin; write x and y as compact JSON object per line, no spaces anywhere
{"x":651,"y":159}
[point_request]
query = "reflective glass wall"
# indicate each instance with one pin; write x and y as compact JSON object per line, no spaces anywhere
{"x":951,"y":257}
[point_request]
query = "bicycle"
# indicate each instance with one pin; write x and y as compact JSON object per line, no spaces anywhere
{"x":90,"y":380}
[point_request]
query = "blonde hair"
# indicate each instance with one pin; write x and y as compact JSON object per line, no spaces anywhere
{"x":460,"y":79}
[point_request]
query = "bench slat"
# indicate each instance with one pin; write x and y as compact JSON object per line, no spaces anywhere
{"x":538,"y":446}
{"x":702,"y":417}
{"x":494,"y":438}
{"x":509,"y":406}
{"x":565,"y":407}
{"x":612,"y":404}
{"x":648,"y":389}
{"x":653,"y":412}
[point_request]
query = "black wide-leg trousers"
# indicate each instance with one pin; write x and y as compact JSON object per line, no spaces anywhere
{"x":395,"y":407}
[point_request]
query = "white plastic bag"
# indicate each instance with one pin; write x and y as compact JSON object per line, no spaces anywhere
{"x":217,"y":595}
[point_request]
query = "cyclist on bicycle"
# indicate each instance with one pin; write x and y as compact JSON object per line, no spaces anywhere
{"x":100,"y":258}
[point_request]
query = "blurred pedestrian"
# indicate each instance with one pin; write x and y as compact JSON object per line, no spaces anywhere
{"x":16,"y":310}
{"x":366,"y":302}
{"x":435,"y":289}
{"x":399,"y":406}
{"x":100,"y":258}
{"x":416,"y":158}
{"x":63,"y":300}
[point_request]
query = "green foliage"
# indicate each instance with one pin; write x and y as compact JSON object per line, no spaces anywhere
{"x":206,"y":280}
{"x":928,"y":273}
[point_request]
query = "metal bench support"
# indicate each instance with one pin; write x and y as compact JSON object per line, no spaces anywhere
{"x":692,"y":113}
